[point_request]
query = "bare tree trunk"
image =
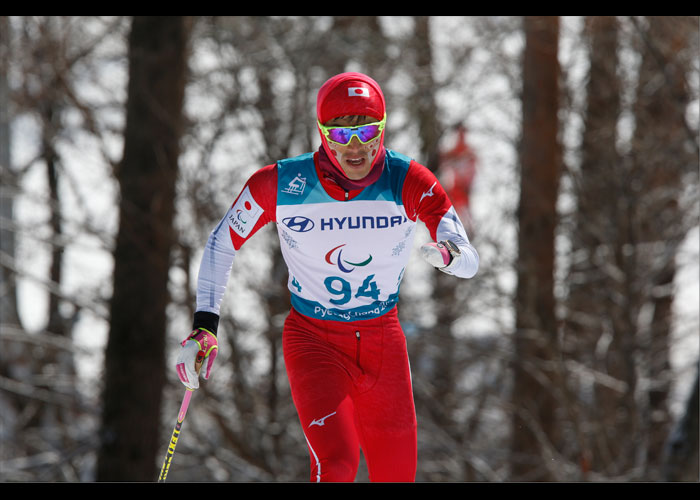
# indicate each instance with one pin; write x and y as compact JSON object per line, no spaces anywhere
{"x":591,"y":337}
{"x":135,"y":354}
{"x":681,"y":454}
{"x":8,"y":289}
{"x":430,"y":130}
{"x":51,"y":116}
{"x":660,"y":158}
{"x":535,"y":381}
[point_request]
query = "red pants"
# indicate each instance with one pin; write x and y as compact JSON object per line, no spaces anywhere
{"x":351,"y":386}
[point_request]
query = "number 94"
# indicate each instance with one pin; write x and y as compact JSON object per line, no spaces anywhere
{"x":340,"y":288}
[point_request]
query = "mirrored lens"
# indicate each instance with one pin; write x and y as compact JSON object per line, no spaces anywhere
{"x":368,"y":132}
{"x":343,"y":135}
{"x":340,"y":135}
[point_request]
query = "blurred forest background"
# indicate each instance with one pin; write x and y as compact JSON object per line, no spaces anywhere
{"x":571,"y":356}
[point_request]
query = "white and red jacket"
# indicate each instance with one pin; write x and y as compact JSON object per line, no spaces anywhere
{"x":346,"y":251}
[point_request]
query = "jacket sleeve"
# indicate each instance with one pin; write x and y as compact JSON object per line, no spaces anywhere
{"x":425,"y":199}
{"x":254,"y":207}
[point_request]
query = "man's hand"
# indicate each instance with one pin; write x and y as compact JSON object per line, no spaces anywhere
{"x":198,"y":347}
{"x":440,"y":255}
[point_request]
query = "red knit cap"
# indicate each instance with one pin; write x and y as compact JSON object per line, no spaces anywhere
{"x":350,"y":94}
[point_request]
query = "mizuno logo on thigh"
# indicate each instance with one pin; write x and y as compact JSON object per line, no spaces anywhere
{"x":321,"y":421}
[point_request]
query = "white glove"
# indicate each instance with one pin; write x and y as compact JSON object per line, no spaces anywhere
{"x":198,"y":347}
{"x":440,"y":255}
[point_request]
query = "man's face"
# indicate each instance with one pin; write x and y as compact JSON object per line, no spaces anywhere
{"x":354,"y":158}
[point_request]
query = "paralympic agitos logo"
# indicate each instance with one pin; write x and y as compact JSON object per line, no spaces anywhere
{"x":334,"y":258}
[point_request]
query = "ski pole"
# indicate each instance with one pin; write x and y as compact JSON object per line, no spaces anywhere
{"x":180,"y":418}
{"x":176,"y":432}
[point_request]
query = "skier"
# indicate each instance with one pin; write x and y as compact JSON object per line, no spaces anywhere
{"x":346,"y":217}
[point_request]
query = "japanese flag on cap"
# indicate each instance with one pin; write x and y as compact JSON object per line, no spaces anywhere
{"x":358,"y":92}
{"x":350,"y":94}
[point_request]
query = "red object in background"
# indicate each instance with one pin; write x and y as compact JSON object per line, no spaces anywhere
{"x":457,"y":171}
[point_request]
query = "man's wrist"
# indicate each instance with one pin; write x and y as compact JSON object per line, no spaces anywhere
{"x":455,"y":254}
{"x":206,"y":320}
{"x":454,"y":250}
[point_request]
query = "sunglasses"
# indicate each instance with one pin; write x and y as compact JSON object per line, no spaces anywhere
{"x":343,"y":135}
